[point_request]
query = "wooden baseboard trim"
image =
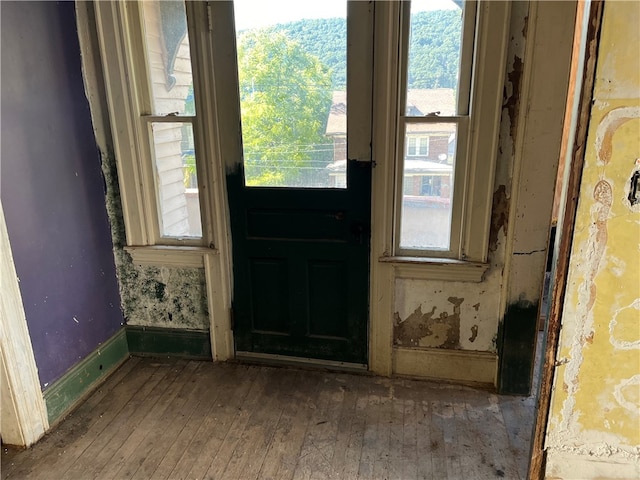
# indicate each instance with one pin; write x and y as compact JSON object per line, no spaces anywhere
{"x":83,"y":378}
{"x":459,"y":366}
{"x":170,"y":342}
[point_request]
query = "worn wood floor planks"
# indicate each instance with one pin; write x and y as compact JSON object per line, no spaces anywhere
{"x":178,"y":419}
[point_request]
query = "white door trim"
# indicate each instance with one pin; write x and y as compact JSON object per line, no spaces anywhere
{"x":24,"y":420}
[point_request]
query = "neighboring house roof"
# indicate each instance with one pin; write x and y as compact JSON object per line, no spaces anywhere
{"x":420,"y":102}
{"x":337,"y":122}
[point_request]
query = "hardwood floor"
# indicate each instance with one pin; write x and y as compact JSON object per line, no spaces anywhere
{"x":178,"y":419}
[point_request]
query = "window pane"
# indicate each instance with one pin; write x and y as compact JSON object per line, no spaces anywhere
{"x":411,"y":145}
{"x":424,"y":146}
{"x":427,"y":188}
{"x":293,"y":100}
{"x":176,"y":179}
{"x":168,"y":57}
{"x":433,"y":74}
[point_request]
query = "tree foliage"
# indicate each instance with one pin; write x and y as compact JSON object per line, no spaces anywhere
{"x":435,"y":46}
{"x":324,"y":38}
{"x":287,"y":74}
{"x":285,"y":97}
{"x":435,"y":49}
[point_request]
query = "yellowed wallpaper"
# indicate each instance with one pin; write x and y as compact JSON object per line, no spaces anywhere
{"x":594,"y":427}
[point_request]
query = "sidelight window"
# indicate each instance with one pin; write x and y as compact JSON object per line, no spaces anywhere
{"x":167,"y":113}
{"x":447,"y":110}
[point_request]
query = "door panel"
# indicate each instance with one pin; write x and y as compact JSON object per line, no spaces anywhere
{"x":301,"y":273}
{"x":327,"y":280}
{"x":269,"y":297}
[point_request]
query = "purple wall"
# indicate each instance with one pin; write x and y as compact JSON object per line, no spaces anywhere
{"x":52,"y":188}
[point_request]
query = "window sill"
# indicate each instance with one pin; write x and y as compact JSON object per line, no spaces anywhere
{"x":446,"y":269}
{"x":170,"y":256}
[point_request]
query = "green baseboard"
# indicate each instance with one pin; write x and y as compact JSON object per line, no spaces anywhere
{"x":75,"y":385}
{"x":173,"y":342}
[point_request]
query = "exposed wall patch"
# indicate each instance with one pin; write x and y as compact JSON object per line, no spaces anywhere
{"x":427,"y":330}
{"x":499,"y":216}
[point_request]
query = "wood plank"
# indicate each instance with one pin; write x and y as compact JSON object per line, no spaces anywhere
{"x":436,"y":435}
{"x":294,"y":408}
{"x":323,"y":429}
{"x":343,"y":465}
{"x":245,"y":411}
{"x":110,"y":409}
{"x":293,"y":439}
{"x":315,"y":455}
{"x":161,"y":457}
{"x":425,"y":443}
{"x":381,"y":456}
{"x":356,"y":432}
{"x":396,"y":436}
{"x":175,"y":419}
{"x":79,"y":422}
{"x":409,"y":453}
{"x":250,"y":451}
{"x":103,"y":447}
{"x":370,"y":441}
{"x":210,"y":436}
{"x":220,"y":380}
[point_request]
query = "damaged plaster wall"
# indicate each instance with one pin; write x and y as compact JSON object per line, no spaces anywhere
{"x":593,"y":428}
{"x":150,"y":296}
{"x":443,"y":321}
{"x":539,"y":126}
{"x":473,"y":324}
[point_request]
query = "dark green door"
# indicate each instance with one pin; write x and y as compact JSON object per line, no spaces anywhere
{"x":300,"y":211}
{"x":301,"y":268}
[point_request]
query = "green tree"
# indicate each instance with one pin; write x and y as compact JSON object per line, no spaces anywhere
{"x":434,"y":58}
{"x":285,"y":97}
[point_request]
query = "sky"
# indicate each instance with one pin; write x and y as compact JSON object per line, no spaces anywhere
{"x":262,"y":13}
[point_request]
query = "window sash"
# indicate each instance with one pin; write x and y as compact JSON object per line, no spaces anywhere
{"x":143,"y":105}
{"x":462,"y":122}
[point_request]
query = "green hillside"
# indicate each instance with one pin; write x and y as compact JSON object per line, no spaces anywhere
{"x":435,"y":46}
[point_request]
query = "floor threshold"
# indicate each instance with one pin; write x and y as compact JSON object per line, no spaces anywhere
{"x":286,"y":360}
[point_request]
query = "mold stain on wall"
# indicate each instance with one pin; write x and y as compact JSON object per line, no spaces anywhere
{"x":152,"y":296}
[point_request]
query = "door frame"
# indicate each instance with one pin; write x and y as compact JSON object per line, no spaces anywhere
{"x":24,"y":419}
{"x":591,"y":22}
{"x":224,"y":118}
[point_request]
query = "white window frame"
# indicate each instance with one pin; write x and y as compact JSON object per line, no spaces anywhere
{"x":120,"y":25}
{"x":478,"y":120}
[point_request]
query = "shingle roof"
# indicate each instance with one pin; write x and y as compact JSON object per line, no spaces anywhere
{"x":420,"y":102}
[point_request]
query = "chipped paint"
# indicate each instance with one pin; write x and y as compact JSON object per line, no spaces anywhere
{"x":512,"y":102}
{"x":428,"y":330}
{"x":499,"y":216}
{"x":474,"y":333}
{"x":480,"y":312}
{"x":595,"y":408}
